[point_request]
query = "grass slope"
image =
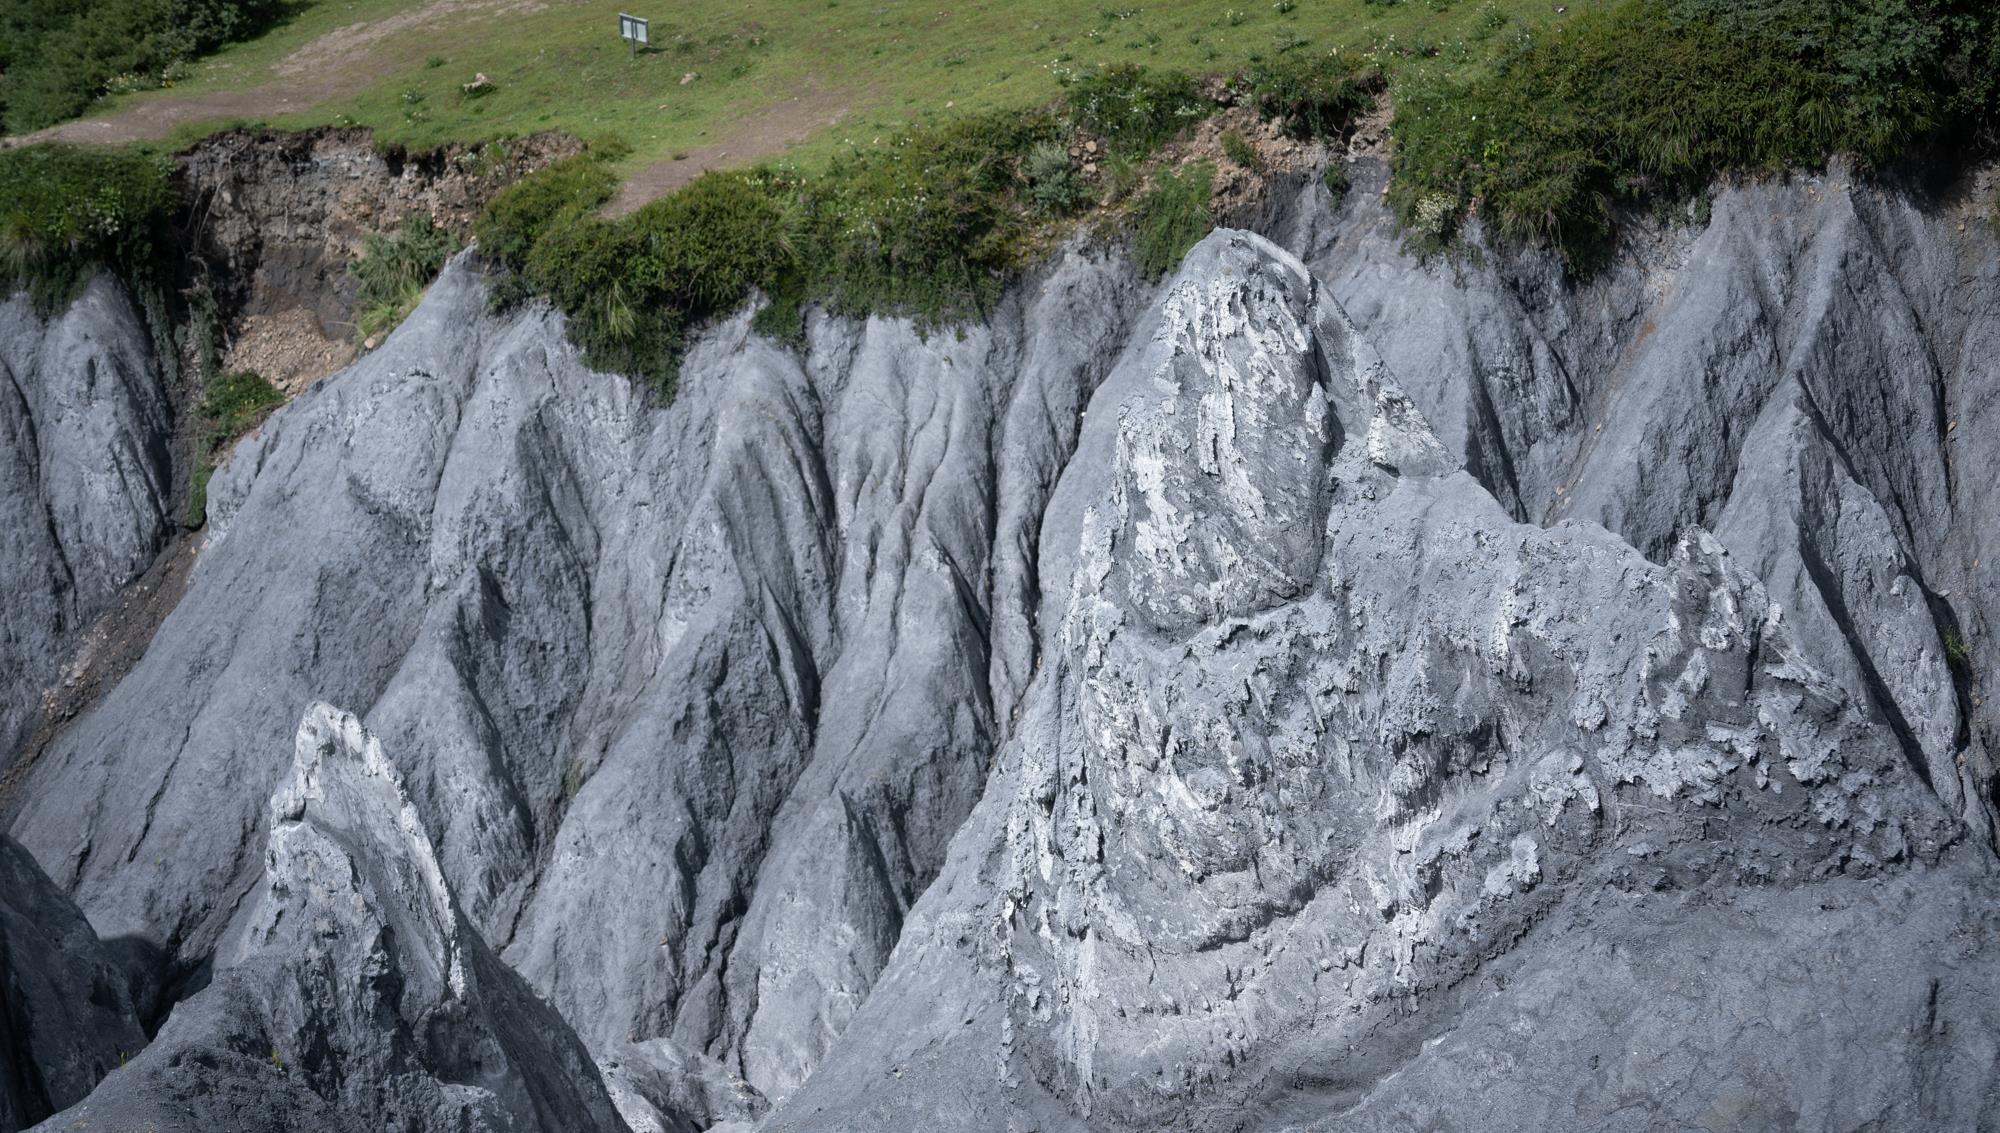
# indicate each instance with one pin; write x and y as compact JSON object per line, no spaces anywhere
{"x":888,"y":64}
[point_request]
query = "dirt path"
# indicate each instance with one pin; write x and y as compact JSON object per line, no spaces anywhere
{"x":763,"y":133}
{"x":331,"y":66}
{"x":342,"y":62}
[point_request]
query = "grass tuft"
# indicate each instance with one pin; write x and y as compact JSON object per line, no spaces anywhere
{"x":394,"y":269}
{"x":231,"y":405}
{"x":1172,"y":217}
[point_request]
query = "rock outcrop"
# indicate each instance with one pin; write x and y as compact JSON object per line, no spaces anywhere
{"x":1329,"y":757}
{"x":355,"y":997}
{"x":85,"y":479}
{"x":1325,"y":690}
{"x":1810,"y":375}
{"x":66,"y":1012}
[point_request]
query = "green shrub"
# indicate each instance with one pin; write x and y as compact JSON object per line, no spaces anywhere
{"x":230,"y":406}
{"x":66,"y":213}
{"x":512,"y":221}
{"x":394,"y":269}
{"x":58,"y":56}
{"x":1172,"y":217}
{"x":1312,"y":96}
{"x":1238,"y":149}
{"x":706,"y":246}
{"x":1337,"y":182}
{"x":925,"y":226}
{"x":1135,"y":110}
{"x":1659,"y":97}
{"x":1056,"y":186}
{"x":631,"y":286}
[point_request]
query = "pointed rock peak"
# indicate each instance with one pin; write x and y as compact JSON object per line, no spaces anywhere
{"x":356,"y":988}
{"x":347,"y":845}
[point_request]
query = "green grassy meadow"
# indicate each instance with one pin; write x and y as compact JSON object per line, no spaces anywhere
{"x":887,"y":64}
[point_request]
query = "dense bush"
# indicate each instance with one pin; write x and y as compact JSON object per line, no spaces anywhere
{"x":518,"y":214}
{"x":1172,"y":217}
{"x":1056,"y":187}
{"x":394,"y":269}
{"x":630,"y":286}
{"x":1899,"y":69}
{"x":924,"y":226}
{"x":57,"y":56}
{"x":1135,"y":110}
{"x":704,"y":247}
{"x":1312,"y":96}
{"x":1658,"y":97}
{"x":65,"y":213}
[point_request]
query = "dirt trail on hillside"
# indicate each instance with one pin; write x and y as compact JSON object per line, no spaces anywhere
{"x":765,"y":133}
{"x":342,"y":62}
{"x":336,"y":64}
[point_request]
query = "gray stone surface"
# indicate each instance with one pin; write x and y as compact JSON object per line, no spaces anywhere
{"x":1321,"y":692}
{"x":84,"y":482}
{"x":66,"y":1012}
{"x":691,"y":700}
{"x":1343,"y":800}
{"x":355,"y":996}
{"x":1814,"y":375}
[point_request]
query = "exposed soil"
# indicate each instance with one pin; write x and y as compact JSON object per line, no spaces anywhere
{"x":288,"y":347}
{"x":335,"y":65}
{"x":763,"y":133}
{"x":279,"y":218}
{"x":1241,"y":190}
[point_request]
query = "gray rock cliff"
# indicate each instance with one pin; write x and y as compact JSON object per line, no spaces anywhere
{"x":1326,"y":690}
{"x":84,"y":482}
{"x":66,"y":1012}
{"x":356,"y":996}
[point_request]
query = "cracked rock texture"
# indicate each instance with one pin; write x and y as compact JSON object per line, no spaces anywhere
{"x":355,"y":996}
{"x":1321,"y":691}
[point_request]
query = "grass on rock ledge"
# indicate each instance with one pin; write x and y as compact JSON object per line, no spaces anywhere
{"x":1537,"y":128}
{"x":929,"y":225}
{"x":66,"y":213}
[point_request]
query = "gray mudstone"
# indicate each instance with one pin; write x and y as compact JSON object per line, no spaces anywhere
{"x":1344,"y":801}
{"x":355,"y":997}
{"x":84,"y":482}
{"x":1326,"y":690}
{"x":66,"y":1008}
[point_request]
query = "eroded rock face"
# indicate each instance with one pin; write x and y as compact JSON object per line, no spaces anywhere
{"x":691,"y":700}
{"x":1810,"y":375}
{"x":356,"y":996}
{"x":1320,"y":692}
{"x":66,"y":1013}
{"x":84,"y":482}
{"x":1237,"y":864}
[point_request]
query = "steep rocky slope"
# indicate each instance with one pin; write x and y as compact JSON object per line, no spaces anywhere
{"x":1321,"y":768}
{"x":355,"y":997}
{"x":1155,"y":707}
{"x":67,"y":1016}
{"x":85,"y":479}
{"x":1814,"y":376}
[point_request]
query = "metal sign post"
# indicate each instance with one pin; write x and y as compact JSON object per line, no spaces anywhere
{"x":632,"y":29}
